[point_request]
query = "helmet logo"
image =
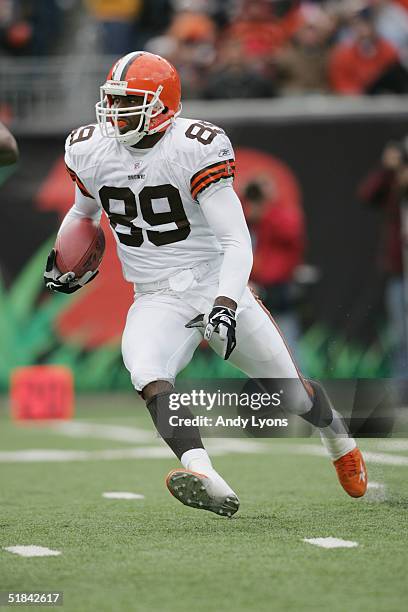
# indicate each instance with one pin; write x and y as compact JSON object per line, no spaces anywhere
{"x":116,"y":87}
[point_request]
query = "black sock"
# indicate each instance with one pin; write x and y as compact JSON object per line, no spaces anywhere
{"x":181,"y":438}
{"x":321,"y":413}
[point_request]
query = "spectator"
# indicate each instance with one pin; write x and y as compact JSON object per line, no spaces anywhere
{"x":278,"y":235}
{"x":259,"y":31}
{"x":302,"y":64}
{"x":234,"y":75}
{"x":155,"y":18}
{"x":7,"y":17}
{"x":386,"y":187}
{"x":189,"y":44}
{"x":192,"y":25}
{"x":403,"y":3}
{"x":392,"y":24}
{"x":30,"y":27}
{"x":368,"y":64}
{"x":118,"y":22}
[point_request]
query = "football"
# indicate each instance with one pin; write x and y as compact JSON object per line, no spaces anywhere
{"x":80,"y":246}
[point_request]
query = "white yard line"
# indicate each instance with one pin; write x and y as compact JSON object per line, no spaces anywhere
{"x":305,"y":449}
{"x":155,"y":448}
{"x":216,"y":448}
{"x":320,"y":451}
{"x":392,"y":445}
{"x":102,"y":431}
{"x":132,"y":435}
{"x":122,"y":495}
{"x":32,"y":551}
{"x":48,"y":455}
{"x":384,"y":459}
{"x":331,"y":542}
{"x":225,"y":446}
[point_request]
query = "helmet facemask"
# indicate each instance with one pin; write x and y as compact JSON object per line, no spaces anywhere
{"x":108,"y":116}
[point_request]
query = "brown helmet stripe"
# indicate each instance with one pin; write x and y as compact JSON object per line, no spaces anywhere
{"x":123,"y":65}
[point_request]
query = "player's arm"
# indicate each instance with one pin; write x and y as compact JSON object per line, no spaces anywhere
{"x":84,"y":207}
{"x":211,"y":166}
{"x":8,"y":147}
{"x":223,"y":212}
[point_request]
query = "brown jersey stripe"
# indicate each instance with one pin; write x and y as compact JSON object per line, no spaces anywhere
{"x":81,"y":186}
{"x":75,"y":178}
{"x":209,"y":181}
{"x":210,"y":168}
{"x":229,"y":169}
{"x":70,"y":172}
{"x":211,"y":177}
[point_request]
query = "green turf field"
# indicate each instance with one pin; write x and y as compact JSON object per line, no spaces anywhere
{"x":154,"y":554}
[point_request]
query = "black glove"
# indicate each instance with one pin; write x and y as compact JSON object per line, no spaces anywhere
{"x":221,"y":320}
{"x":64,"y":283}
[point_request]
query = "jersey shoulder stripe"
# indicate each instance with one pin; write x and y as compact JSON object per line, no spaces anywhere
{"x":78,"y":181}
{"x":211,"y":174}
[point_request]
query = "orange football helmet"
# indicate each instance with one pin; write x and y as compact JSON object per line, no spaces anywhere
{"x":142,"y":74}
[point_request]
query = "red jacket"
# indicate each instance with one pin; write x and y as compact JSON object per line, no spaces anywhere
{"x":260,"y":39}
{"x":279,"y":240}
{"x":380,"y":188}
{"x":404,"y":3}
{"x":351,"y":71}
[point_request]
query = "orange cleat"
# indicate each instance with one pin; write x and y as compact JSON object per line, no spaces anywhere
{"x":352,"y":473}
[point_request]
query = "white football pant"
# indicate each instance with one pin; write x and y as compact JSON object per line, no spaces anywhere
{"x":156,"y":345}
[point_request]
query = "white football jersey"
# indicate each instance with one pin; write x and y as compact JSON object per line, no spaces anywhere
{"x":151,"y":195}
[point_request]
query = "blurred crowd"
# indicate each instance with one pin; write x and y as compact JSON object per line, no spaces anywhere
{"x":234,"y":48}
{"x":386,"y":188}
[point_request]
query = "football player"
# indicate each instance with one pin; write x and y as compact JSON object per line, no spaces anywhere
{"x":166,"y":184}
{"x":8,"y":147}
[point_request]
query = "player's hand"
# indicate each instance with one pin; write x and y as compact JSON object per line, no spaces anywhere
{"x":221,"y":320}
{"x":64,"y":283}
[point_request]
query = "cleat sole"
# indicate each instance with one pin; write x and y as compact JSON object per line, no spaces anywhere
{"x":196,"y":495}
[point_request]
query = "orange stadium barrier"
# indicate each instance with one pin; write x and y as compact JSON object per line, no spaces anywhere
{"x":42,"y":392}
